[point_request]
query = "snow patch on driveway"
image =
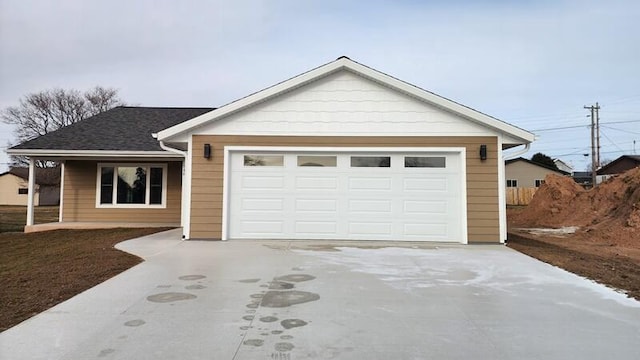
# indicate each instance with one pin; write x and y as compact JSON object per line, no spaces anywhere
{"x":481,"y":269}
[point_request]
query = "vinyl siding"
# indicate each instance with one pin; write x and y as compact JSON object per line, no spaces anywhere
{"x":80,"y":197}
{"x":482,"y":176}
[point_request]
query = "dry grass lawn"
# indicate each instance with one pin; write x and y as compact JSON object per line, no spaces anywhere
{"x":40,"y":270}
{"x":13,"y":218}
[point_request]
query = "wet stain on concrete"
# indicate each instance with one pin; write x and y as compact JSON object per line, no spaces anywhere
{"x":245,"y":327}
{"x":106,"y":352}
{"x":195,"y":287}
{"x":268,"y":319}
{"x":170,"y":297}
{"x":192,"y":277}
{"x":292,"y":323}
{"x":265,"y":334}
{"x":248,"y":317}
{"x":286,"y":337}
{"x":256,"y":296}
{"x":280,"y":285}
{"x":277,"y":332}
{"x":278,"y":299}
{"x":249,"y":281}
{"x":134,"y":323}
{"x":284,"y":346}
{"x":250,"y":311}
{"x":295,"y":277}
{"x":252,"y":306}
{"x":297,"y":268}
{"x":264,"y":286}
{"x":253,"y":342}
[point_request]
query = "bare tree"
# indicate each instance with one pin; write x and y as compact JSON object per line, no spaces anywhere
{"x":40,"y":113}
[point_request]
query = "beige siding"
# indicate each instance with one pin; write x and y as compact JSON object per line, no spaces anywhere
{"x":9,"y":185}
{"x":80,"y":197}
{"x":482,"y":176}
{"x":527,"y":173}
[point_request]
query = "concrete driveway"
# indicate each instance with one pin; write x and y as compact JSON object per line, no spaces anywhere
{"x":299,"y":300}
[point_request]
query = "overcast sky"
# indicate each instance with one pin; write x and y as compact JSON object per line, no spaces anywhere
{"x":534,"y":64}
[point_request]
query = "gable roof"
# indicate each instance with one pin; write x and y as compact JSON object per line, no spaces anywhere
{"x":44,"y":176}
{"x":633,"y":159}
{"x":123,"y":128}
{"x":536,"y":164}
{"x":344,"y":63}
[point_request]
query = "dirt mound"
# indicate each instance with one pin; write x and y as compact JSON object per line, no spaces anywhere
{"x":611,"y":206}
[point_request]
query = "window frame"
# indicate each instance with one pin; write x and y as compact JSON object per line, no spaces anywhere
{"x":147,"y":196}
{"x":514,"y":181}
{"x":538,"y":182}
{"x":23,"y":191}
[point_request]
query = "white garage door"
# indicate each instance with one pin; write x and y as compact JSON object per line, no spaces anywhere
{"x":362,"y":196}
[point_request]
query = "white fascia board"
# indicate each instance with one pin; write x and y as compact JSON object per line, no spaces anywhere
{"x":252,"y":99}
{"x":521,"y":135}
{"x":444,"y":103}
{"x":92,"y":153}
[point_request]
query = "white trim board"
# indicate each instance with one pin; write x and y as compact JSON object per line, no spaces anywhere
{"x":352,"y":150}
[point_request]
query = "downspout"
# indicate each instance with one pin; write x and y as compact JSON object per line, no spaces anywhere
{"x":183,"y":219}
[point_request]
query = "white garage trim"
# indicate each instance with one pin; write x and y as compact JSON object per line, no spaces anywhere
{"x":228,"y":150}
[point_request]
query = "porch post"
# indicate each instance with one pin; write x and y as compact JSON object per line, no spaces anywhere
{"x":61,"y":204}
{"x":31,"y":190}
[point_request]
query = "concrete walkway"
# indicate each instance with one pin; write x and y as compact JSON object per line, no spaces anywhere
{"x":311,"y":300}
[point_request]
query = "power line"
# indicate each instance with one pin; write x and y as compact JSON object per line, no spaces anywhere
{"x":579,"y":126}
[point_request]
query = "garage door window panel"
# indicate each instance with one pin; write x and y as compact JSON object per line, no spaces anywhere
{"x":371,"y":161}
{"x":317,"y":160}
{"x":263,"y":160}
{"x":425,"y":162}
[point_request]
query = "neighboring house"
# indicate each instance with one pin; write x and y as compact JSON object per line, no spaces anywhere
{"x":524,"y":173}
{"x":14,"y":186}
{"x":342,"y":151}
{"x":583,"y":178}
{"x":620,"y":165}
{"x":561,"y":165}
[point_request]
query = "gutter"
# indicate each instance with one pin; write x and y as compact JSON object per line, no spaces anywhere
{"x":163,"y":146}
{"x":517,"y":153}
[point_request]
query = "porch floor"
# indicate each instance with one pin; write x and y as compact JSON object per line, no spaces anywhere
{"x":93,"y":225}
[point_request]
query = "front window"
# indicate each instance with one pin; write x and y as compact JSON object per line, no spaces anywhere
{"x":512,"y":183}
{"x":129,"y":185}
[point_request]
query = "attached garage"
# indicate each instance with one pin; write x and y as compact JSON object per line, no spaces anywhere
{"x":344,"y":152}
{"x":355,"y":194}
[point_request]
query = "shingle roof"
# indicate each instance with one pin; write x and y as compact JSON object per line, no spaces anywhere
{"x":44,"y":176}
{"x":121,"y":128}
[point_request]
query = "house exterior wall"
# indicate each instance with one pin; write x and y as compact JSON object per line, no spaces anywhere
{"x":526,"y":173}
{"x":9,"y":185}
{"x":482,"y":176}
{"x":79,"y":203}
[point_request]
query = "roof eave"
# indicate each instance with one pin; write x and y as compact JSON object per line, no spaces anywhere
{"x":51,"y":153}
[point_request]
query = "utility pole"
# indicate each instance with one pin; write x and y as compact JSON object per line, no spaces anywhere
{"x":598,"y":136}
{"x":594,"y":161}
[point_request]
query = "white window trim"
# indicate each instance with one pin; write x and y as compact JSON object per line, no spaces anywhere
{"x":115,"y":205}
{"x":540,"y":181}
{"x":512,"y":180}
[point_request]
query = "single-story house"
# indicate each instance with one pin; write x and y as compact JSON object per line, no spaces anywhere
{"x":620,"y":165}
{"x":14,"y":186}
{"x":342,"y":151}
{"x":561,"y":165}
{"x":524,"y":173}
